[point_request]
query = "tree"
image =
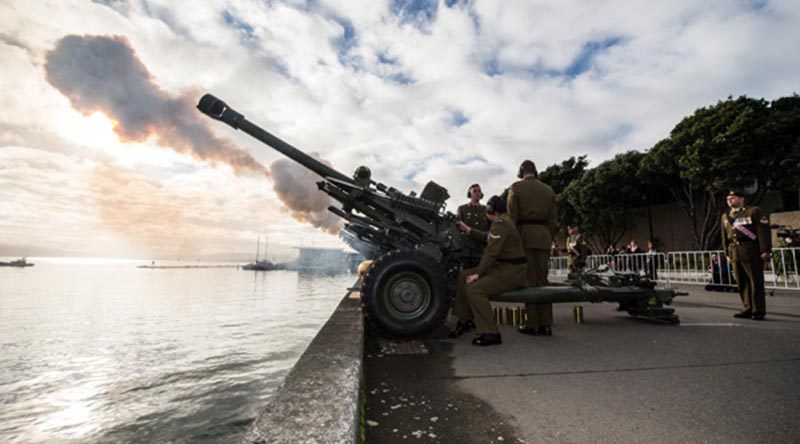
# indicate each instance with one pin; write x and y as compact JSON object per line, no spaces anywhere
{"x":714,"y":150}
{"x":559,"y":177}
{"x":604,"y":198}
{"x":781,"y":139}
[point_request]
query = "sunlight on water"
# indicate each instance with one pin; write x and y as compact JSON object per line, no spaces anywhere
{"x":98,"y":350}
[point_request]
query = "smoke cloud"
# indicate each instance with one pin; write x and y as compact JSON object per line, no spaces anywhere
{"x":103,"y":73}
{"x":296,"y":187}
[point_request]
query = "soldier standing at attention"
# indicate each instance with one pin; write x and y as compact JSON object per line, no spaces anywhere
{"x":532,"y":208}
{"x":576,"y":249}
{"x":746,"y":239}
{"x":502,"y":268}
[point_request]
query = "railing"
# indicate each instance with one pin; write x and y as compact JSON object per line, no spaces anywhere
{"x":693,"y":267}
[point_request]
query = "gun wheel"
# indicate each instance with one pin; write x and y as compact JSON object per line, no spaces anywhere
{"x":404,"y":294}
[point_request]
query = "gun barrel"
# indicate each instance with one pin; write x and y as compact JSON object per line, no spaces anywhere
{"x":219,"y":110}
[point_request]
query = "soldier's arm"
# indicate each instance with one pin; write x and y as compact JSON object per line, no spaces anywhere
{"x":763,"y":232}
{"x":513,"y":206}
{"x":478,"y":235}
{"x":724,"y":235}
{"x":494,"y":244}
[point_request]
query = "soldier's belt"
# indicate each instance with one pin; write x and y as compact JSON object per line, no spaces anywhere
{"x":513,"y":261}
{"x":532,"y":222}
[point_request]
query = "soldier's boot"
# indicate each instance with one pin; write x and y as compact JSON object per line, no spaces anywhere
{"x":461,"y":328}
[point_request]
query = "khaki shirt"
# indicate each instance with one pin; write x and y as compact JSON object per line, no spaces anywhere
{"x":502,"y":242}
{"x":474,"y":216}
{"x":739,"y":227}
{"x":533,"y":201}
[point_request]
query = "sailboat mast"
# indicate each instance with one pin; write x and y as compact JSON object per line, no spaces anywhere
{"x":258,"y":246}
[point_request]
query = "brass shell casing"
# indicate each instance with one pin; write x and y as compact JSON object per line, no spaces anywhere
{"x":577,"y":312}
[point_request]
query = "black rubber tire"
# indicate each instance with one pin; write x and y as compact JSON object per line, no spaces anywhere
{"x":405,"y":294}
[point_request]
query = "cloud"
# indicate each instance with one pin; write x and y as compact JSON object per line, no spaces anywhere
{"x":143,"y":211}
{"x":415,"y":89}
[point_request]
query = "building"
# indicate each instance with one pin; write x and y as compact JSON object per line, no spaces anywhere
{"x":326,"y":260}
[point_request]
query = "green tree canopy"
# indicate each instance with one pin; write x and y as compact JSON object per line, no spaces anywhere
{"x":603,"y":198}
{"x":735,"y":144}
{"x":559,"y":177}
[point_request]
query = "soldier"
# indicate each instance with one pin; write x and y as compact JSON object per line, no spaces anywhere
{"x":502,"y":268}
{"x":576,"y":249}
{"x":747,"y":240}
{"x":473,"y":213}
{"x":532,"y":207}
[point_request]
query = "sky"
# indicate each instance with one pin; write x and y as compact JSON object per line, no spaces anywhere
{"x":103,"y":154}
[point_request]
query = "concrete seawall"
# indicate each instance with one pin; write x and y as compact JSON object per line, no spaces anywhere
{"x":319,"y":402}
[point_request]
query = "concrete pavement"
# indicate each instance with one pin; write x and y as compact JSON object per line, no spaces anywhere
{"x":713,"y":378}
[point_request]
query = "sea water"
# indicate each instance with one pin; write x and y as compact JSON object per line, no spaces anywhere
{"x":103,"y":351}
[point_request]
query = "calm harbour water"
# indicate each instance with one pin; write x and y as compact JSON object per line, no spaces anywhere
{"x":100,"y":351}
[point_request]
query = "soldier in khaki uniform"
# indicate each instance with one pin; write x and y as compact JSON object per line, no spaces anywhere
{"x":473,"y":213}
{"x":532,"y":208}
{"x":746,"y":239}
{"x":502,"y":268}
{"x":576,"y":249}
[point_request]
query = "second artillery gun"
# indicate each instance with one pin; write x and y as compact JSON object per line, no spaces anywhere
{"x":418,"y":251}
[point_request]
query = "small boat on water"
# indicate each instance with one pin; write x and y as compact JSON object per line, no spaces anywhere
{"x":23,"y":262}
{"x":260,"y":264}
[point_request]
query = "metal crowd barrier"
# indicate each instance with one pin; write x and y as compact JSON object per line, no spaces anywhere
{"x":710,"y":268}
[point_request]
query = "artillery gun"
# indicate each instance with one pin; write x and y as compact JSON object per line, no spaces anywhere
{"x":415,"y":245}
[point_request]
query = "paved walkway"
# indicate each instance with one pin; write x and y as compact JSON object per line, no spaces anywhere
{"x":611,"y":379}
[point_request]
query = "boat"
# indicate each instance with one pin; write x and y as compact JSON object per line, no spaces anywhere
{"x":260,"y":265}
{"x":22,"y":262}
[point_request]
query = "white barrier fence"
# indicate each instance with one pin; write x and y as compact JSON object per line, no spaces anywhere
{"x":693,"y":267}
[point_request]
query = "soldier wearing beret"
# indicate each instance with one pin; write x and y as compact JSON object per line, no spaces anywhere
{"x":746,"y":239}
{"x":532,"y":207}
{"x":502,"y":268}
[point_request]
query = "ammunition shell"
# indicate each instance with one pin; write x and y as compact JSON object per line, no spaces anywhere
{"x":577,"y":311}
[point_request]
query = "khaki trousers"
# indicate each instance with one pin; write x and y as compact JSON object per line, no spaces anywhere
{"x":750,"y":279}
{"x":472,"y":300}
{"x":539,"y":315}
